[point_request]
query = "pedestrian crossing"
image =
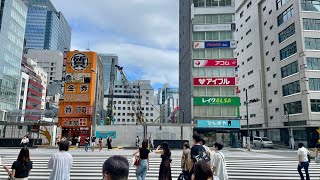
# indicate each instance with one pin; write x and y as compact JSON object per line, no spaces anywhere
{"x":88,"y":166}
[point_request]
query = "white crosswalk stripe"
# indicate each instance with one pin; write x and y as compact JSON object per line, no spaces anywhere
{"x":89,"y":167}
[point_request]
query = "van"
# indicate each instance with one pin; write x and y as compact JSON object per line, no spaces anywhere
{"x":262,"y":142}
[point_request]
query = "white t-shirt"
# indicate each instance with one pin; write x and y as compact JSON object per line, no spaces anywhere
{"x":60,"y":163}
{"x":303,"y":152}
{"x":218,"y":161}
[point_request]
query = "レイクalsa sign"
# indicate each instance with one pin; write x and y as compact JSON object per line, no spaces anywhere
{"x":216,"y":101}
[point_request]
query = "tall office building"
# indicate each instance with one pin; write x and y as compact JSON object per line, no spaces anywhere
{"x":279,"y":65}
{"x":46,"y":27}
{"x":208,"y":76}
{"x":13,"y":15}
{"x":109,"y":70}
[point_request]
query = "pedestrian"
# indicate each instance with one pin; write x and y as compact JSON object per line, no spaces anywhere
{"x":317,"y":156}
{"x":100,"y":143}
{"x":203,"y":143}
{"x":185,"y":160}
{"x":303,"y":161}
{"x":196,"y":150}
{"x":202,"y":171}
{"x":218,"y":163}
{"x":61,"y":163}
{"x":137,"y":141}
{"x":165,"y":167}
{"x":24,"y":141}
{"x":151,"y":142}
{"x":87,"y":143}
{"x":21,"y":167}
{"x":143,"y":166}
{"x":115,"y":168}
{"x":93,"y":142}
{"x":109,"y":141}
{"x":78,"y":141}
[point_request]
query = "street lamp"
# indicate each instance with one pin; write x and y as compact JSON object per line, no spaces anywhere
{"x":291,"y":138}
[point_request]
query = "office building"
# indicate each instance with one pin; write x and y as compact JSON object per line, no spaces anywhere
{"x":165,"y":92}
{"x":126,"y":103}
{"x":168,"y":99}
{"x":109,"y":61}
{"x":12,"y":27}
{"x":279,"y":62}
{"x":50,"y":60}
{"x":46,"y":27}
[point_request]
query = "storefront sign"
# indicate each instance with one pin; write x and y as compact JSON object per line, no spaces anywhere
{"x":76,"y":98}
{"x":234,"y":123}
{"x":215,"y":44}
{"x":69,"y":122}
{"x":215,"y":62}
{"x":216,"y":101}
{"x":214,"y":27}
{"x":105,"y":134}
{"x":222,"y":81}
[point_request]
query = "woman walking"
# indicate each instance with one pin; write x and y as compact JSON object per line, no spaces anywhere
{"x":21,"y":167}
{"x":87,"y":143}
{"x":143,"y":166}
{"x":165,"y":168}
{"x":109,"y":141}
{"x":185,"y":160}
{"x":303,"y":161}
{"x":218,"y":163}
{"x":100,"y":143}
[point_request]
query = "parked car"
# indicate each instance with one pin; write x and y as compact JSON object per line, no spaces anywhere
{"x":262,"y":142}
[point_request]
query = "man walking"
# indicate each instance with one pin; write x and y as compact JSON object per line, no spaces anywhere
{"x":151,"y":142}
{"x":87,"y":143}
{"x":24,"y":141}
{"x":137,"y":142}
{"x":78,"y":141}
{"x":303,"y":161}
{"x":93,"y":142}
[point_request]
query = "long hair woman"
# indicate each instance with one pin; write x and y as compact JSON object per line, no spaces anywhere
{"x":143,"y":166}
{"x":21,"y":167}
{"x":165,"y":167}
{"x":202,"y":171}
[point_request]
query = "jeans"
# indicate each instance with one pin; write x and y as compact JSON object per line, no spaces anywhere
{"x":186,"y":175}
{"x":304,"y":165}
{"x":86,"y":147}
{"x":141,"y":172}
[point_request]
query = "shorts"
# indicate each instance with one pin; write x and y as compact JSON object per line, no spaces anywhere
{"x":93,"y":144}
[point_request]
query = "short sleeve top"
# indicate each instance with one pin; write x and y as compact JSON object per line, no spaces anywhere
{"x":144,"y":152}
{"x":22,"y":170}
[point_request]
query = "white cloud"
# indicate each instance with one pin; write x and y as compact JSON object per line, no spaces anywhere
{"x":142,"y":32}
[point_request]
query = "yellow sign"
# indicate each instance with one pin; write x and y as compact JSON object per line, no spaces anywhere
{"x":318,"y":130}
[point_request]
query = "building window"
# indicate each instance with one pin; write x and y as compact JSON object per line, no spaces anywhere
{"x":251,"y":86}
{"x":211,"y":3}
{"x":147,"y":109}
{"x":198,"y":3}
{"x":275,"y":92}
{"x":285,"y":16}
{"x":249,"y":4}
{"x":270,"y":100}
{"x":248,"y":18}
{"x":314,"y":84}
{"x":280,"y":3}
{"x":268,"y":68}
{"x":119,"y":108}
{"x":274,"y":75}
{"x":151,"y":114}
{"x":272,"y":43}
{"x":243,"y":76}
{"x":271,"y":117}
{"x":313,"y":63}
{"x":291,"y":88}
{"x":250,"y":44}
{"x":241,"y":14}
{"x":273,"y":59}
{"x":249,"y":59}
{"x":123,"y":108}
{"x":119,"y":102}
{"x":147,"y":92}
{"x":271,"y":27}
{"x":265,"y":23}
{"x":277,"y":109}
{"x":315,"y":105}
{"x":252,"y":115}
{"x":289,"y":69}
{"x":267,"y":53}
{"x":293,"y":107}
{"x":270,"y":12}
{"x":264,"y":8}
{"x":250,"y":72}
{"x":248,"y":32}
{"x":312,"y":43}
{"x":310,"y":5}
{"x":266,"y":38}
{"x":288,"y":51}
{"x":311,"y":24}
{"x":269,"y":84}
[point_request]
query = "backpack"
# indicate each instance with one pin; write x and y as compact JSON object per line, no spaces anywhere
{"x":202,"y":155}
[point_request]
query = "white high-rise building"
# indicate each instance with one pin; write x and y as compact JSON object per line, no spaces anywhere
{"x":279,"y":65}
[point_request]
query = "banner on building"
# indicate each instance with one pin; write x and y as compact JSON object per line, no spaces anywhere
{"x":220,"y":81}
{"x":234,"y":123}
{"x":215,"y":63}
{"x":105,"y":134}
{"x":215,"y":44}
{"x":214,"y":27}
{"x":216,"y":101}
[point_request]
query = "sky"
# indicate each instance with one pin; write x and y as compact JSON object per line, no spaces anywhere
{"x":143,"y":33}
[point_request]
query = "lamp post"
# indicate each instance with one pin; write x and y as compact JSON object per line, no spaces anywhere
{"x":247,"y":111}
{"x":93,"y":122}
{"x":291,"y":138}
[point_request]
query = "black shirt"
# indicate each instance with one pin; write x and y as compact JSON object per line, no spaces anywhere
{"x":195,"y":151}
{"x":144,"y":152}
{"x":22,"y":170}
{"x":93,"y":139}
{"x":87,"y":140}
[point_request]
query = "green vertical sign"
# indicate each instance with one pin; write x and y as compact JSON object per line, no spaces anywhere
{"x":216,"y":101}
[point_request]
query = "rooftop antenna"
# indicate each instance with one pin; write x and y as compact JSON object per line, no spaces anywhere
{"x":88,"y":46}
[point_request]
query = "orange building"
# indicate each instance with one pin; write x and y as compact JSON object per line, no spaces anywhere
{"x":77,"y":105}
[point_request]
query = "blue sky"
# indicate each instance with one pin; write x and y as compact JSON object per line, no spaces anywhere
{"x":143,"y":33}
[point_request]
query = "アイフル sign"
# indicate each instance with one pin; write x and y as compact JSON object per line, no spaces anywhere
{"x":216,"y":101}
{"x":220,"y":81}
{"x":234,"y":124}
{"x":215,"y":63}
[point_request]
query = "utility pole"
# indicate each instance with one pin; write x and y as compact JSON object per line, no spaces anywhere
{"x":247,"y":110}
{"x":291,"y":138}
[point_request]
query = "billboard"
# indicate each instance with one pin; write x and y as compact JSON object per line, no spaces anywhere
{"x":216,"y":101}
{"x":214,"y":27}
{"x":215,"y":63}
{"x":219,"y":81}
{"x":215,"y":44}
{"x":234,"y":123}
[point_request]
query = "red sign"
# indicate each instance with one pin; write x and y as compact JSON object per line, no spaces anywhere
{"x":220,"y":81}
{"x":215,"y":62}
{"x":237,"y":90}
{"x":89,"y":110}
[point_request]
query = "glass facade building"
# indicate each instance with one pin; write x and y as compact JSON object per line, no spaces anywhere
{"x":46,"y":27}
{"x":109,"y":70}
{"x":12,"y":30}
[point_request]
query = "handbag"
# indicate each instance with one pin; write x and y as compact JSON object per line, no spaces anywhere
{"x":137,"y":161}
{"x":181,"y":176}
